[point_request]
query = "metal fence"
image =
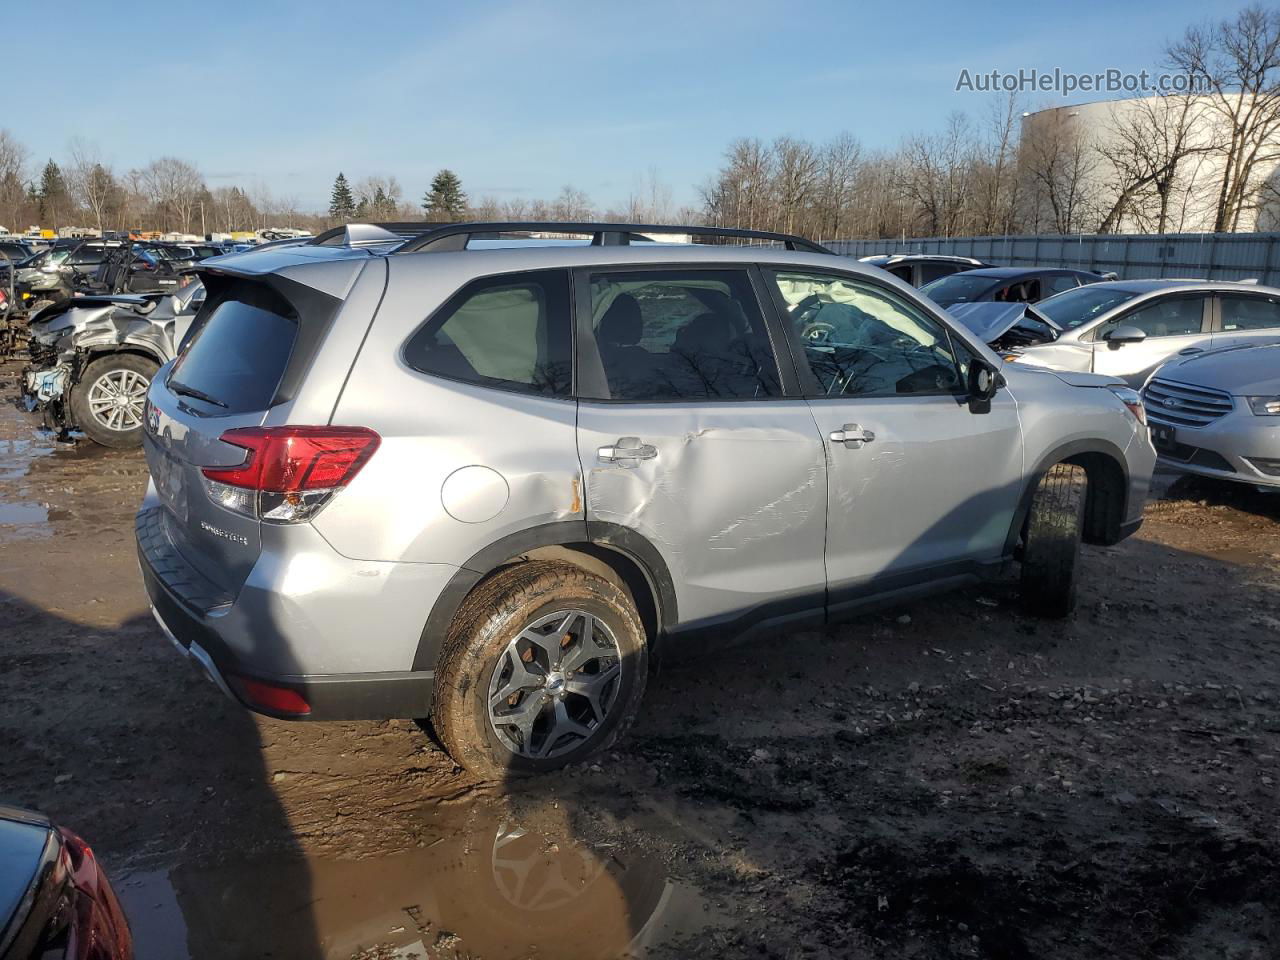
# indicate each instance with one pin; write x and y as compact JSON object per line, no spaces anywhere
{"x":1208,"y":256}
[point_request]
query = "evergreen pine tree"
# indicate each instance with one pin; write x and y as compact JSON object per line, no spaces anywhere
{"x":342,"y":205}
{"x":445,"y":200}
{"x":53,"y":194}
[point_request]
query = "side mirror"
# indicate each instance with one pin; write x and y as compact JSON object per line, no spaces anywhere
{"x":983,"y":382}
{"x":1124,"y":334}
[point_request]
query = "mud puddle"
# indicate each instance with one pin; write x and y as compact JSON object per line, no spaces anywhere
{"x":493,"y":888}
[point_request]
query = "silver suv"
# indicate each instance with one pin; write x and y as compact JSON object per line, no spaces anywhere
{"x":439,"y":479}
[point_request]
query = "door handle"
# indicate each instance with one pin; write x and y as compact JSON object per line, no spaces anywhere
{"x":627,"y":448}
{"x":852,"y":435}
{"x":1188,"y":351}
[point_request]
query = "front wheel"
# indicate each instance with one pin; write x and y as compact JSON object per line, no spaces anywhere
{"x":1052,"y":541}
{"x":107,"y":402}
{"x":545,"y":664}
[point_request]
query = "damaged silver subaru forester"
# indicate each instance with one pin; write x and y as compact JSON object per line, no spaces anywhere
{"x":432,"y":472}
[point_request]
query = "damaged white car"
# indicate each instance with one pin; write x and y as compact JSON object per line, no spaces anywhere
{"x":92,"y":360}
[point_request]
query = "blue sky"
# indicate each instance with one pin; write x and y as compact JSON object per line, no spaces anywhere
{"x":522,"y":98}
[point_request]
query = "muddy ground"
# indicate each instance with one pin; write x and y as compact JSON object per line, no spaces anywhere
{"x":949,"y":778}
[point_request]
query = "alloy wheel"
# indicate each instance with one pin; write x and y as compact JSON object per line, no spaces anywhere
{"x":116,"y":399}
{"x":554,"y":684}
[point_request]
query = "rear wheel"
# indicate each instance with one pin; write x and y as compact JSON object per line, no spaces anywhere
{"x":107,"y":402}
{"x":545,"y":664}
{"x":1052,"y":542}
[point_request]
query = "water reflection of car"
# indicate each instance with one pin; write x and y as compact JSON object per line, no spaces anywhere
{"x":1006,"y":284}
{"x":1127,"y":328}
{"x":918,"y":269}
{"x":1218,"y":413}
{"x":55,"y":900}
{"x":487,"y":890}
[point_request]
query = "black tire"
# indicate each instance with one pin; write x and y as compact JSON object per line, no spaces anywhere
{"x":1052,"y":541}
{"x":478,"y":644}
{"x":82,"y":414}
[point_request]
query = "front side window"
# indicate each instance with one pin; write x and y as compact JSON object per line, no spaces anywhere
{"x":511,"y":332}
{"x":861,"y":340}
{"x":1169,"y":317}
{"x":666,"y":335}
{"x":1249,"y":313}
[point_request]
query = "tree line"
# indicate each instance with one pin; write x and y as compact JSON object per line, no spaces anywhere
{"x":1164,"y":163}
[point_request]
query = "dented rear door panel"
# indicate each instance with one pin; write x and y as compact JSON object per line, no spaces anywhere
{"x":734,"y":499}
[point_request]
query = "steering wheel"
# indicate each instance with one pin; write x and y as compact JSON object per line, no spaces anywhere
{"x":817,"y":331}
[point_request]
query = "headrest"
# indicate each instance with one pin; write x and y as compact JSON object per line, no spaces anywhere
{"x":706,"y":333}
{"x":622,"y":324}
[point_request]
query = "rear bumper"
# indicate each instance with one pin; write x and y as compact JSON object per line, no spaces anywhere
{"x":201,"y":626}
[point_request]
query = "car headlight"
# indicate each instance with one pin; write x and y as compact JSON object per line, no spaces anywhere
{"x":1131,"y":399}
{"x":1265,"y":406}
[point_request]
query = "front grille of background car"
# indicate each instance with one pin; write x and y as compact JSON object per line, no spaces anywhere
{"x":1183,"y":405}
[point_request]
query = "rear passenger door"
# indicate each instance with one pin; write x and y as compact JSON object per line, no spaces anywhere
{"x":1246,"y":318}
{"x":690,"y":438}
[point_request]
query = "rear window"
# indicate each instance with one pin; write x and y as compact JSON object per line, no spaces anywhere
{"x":510,"y":332}
{"x":238,"y":356}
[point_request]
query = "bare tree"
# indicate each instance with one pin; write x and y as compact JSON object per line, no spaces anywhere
{"x":1057,"y":162}
{"x":572,"y":204}
{"x":1148,"y":145}
{"x":839,"y":162}
{"x":1237,"y":63}
{"x":13,"y":190}
{"x":795,"y":172}
{"x":174,"y":187}
{"x":92,"y":183}
{"x":650,"y":200}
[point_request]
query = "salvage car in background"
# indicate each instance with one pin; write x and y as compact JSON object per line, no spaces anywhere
{"x":1006,"y":284}
{"x":1006,"y":327}
{"x":55,"y":900}
{"x":1127,"y":328}
{"x":1218,"y":413}
{"x":93,"y":358}
{"x":918,"y":269}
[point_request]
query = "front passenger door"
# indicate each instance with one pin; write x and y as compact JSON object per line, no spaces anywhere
{"x":1174,"y":325}
{"x":918,"y":486}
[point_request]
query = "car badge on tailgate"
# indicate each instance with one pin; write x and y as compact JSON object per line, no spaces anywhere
{"x":224,"y":534}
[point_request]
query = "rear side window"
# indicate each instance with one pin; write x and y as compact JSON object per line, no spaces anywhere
{"x":238,"y":356}
{"x":1249,"y":313}
{"x":511,"y":332}
{"x":681,"y":335}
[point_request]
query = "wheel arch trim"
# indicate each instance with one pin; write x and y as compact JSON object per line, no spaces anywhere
{"x":1095,"y":513}
{"x":600,"y":534}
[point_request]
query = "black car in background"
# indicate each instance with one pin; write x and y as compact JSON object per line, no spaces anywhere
{"x":1008,"y":284}
{"x":918,"y":269}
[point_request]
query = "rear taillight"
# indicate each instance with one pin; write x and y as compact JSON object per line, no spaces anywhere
{"x":290,"y":472}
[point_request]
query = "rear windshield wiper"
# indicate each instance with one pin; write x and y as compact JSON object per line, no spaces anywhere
{"x":186,"y":391}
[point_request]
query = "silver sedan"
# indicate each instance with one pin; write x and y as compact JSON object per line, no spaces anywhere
{"x":1218,"y":414}
{"x":1127,"y":328}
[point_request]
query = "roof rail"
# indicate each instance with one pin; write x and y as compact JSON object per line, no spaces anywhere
{"x":441,"y":237}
